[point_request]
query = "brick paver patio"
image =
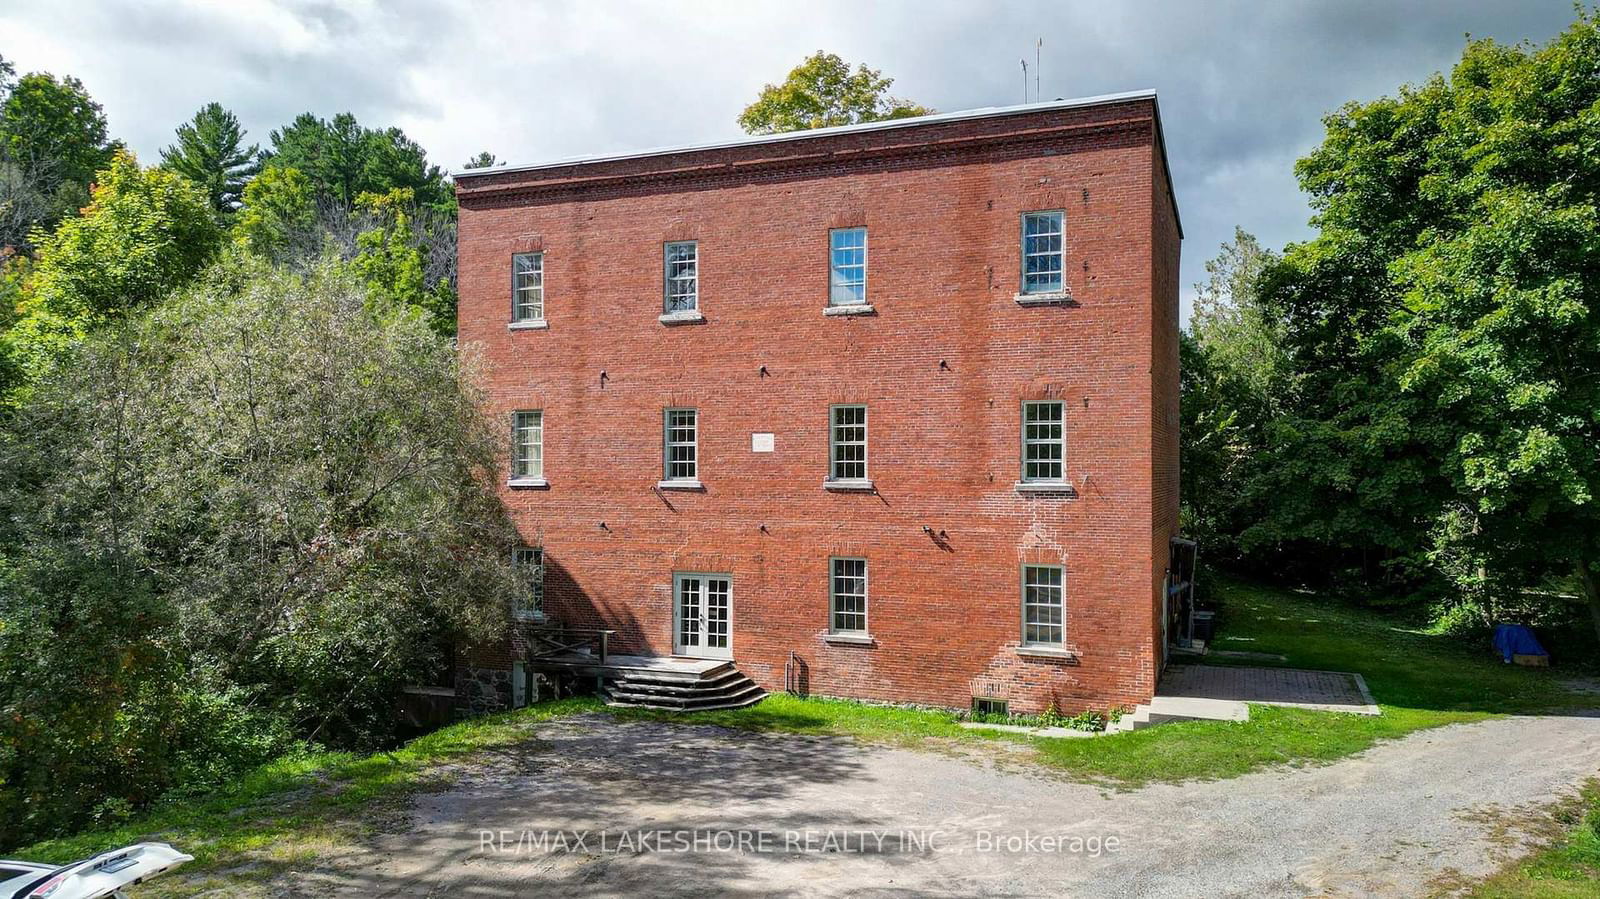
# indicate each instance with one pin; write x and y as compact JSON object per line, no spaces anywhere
{"x":1332,"y":691}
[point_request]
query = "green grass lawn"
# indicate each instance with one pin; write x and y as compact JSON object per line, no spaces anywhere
{"x":292,"y":811}
{"x":1419,"y":680}
{"x":1569,"y":867}
{"x":298,"y":808}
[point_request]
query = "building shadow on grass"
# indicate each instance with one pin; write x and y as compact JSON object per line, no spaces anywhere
{"x":600,"y":807}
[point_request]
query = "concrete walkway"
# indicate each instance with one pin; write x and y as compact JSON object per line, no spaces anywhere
{"x":786,"y":815}
{"x":1328,"y":691}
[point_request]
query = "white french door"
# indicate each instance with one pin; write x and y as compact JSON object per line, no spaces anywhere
{"x":702,"y":615}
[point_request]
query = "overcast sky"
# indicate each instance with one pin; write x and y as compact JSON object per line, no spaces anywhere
{"x":1242,"y":86}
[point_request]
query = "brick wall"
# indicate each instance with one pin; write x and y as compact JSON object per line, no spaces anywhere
{"x":1164,"y":381}
{"x":943,"y":367}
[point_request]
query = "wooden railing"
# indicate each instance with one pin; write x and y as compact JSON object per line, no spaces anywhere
{"x":554,"y":641}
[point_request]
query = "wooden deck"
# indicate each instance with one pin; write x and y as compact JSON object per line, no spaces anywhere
{"x":664,"y":667}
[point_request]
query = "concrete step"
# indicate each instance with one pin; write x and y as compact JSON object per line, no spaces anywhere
{"x":685,"y":701}
{"x":718,"y":686}
{"x":711,"y":704}
{"x":1161,"y":709}
{"x":743,"y":700}
{"x":1186,"y":708}
{"x":718,"y":681}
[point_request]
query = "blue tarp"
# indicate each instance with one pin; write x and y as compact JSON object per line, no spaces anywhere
{"x":1516,"y":639}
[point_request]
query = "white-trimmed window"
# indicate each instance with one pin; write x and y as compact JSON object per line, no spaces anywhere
{"x":529,"y":562}
{"x":527,"y":287}
{"x":847,"y":267}
{"x":1042,"y":265}
{"x":848,"y":592}
{"x":682,"y":276}
{"x":680,"y":445}
{"x":1043,"y":611}
{"x":527,"y":444}
{"x":847,"y":441}
{"x":1043,"y":442}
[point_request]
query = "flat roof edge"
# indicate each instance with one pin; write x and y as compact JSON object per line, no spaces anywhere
{"x":758,"y":139}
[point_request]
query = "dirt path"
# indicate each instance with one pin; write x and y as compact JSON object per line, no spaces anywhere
{"x":1400,"y":819}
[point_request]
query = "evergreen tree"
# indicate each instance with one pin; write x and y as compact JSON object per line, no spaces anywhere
{"x":210,"y":152}
{"x":344,"y":160}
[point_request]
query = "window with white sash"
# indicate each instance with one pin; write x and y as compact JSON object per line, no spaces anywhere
{"x":1042,"y":265}
{"x":681,"y":445}
{"x":1043,"y":610}
{"x":527,"y":445}
{"x":848,"y":592}
{"x":527,"y":287}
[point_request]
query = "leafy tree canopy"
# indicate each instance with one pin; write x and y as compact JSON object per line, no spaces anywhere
{"x":393,"y":260}
{"x":1234,"y":382}
{"x":483,"y":160}
{"x":821,"y":92}
{"x":279,"y":206}
{"x":210,"y":152}
{"x":251,"y":513}
{"x":56,"y":129}
{"x":344,"y":160}
{"x":1445,"y":323}
{"x":145,"y":233}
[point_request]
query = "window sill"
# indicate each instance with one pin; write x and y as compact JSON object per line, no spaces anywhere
{"x":850,"y":639}
{"x":527,"y":615}
{"x":532,"y":324}
{"x":528,"y":484}
{"x":1061,"y":297}
{"x":852,"y":309}
{"x":852,"y":485}
{"x":1048,"y":652}
{"x":680,"y":484}
{"x":686,"y":317}
{"x":1045,"y":488}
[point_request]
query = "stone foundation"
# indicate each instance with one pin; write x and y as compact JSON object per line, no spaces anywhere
{"x":480,"y":691}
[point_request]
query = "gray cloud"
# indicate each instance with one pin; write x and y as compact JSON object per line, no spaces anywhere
{"x":1243,"y":86}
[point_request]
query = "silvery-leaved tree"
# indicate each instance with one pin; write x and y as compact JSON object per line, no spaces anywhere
{"x":267,"y":500}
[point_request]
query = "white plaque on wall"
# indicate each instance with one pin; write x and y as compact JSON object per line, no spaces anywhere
{"x":762,"y":443}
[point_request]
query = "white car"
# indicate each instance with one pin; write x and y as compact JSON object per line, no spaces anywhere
{"x":103,"y":875}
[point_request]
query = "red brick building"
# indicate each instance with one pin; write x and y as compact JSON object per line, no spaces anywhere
{"x":890,"y":407}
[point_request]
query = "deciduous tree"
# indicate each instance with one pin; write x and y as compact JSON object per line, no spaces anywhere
{"x":249,"y":514}
{"x":1445,"y":324}
{"x":823,"y":91}
{"x":145,"y":233}
{"x":56,"y":127}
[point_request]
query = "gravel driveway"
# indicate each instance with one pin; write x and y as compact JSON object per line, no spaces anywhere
{"x":813,"y":816}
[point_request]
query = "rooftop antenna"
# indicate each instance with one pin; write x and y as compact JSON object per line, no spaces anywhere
{"x":1038,"y":51}
{"x":1024,"y":80}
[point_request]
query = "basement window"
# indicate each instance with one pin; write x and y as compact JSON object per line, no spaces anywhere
{"x":984,"y":706}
